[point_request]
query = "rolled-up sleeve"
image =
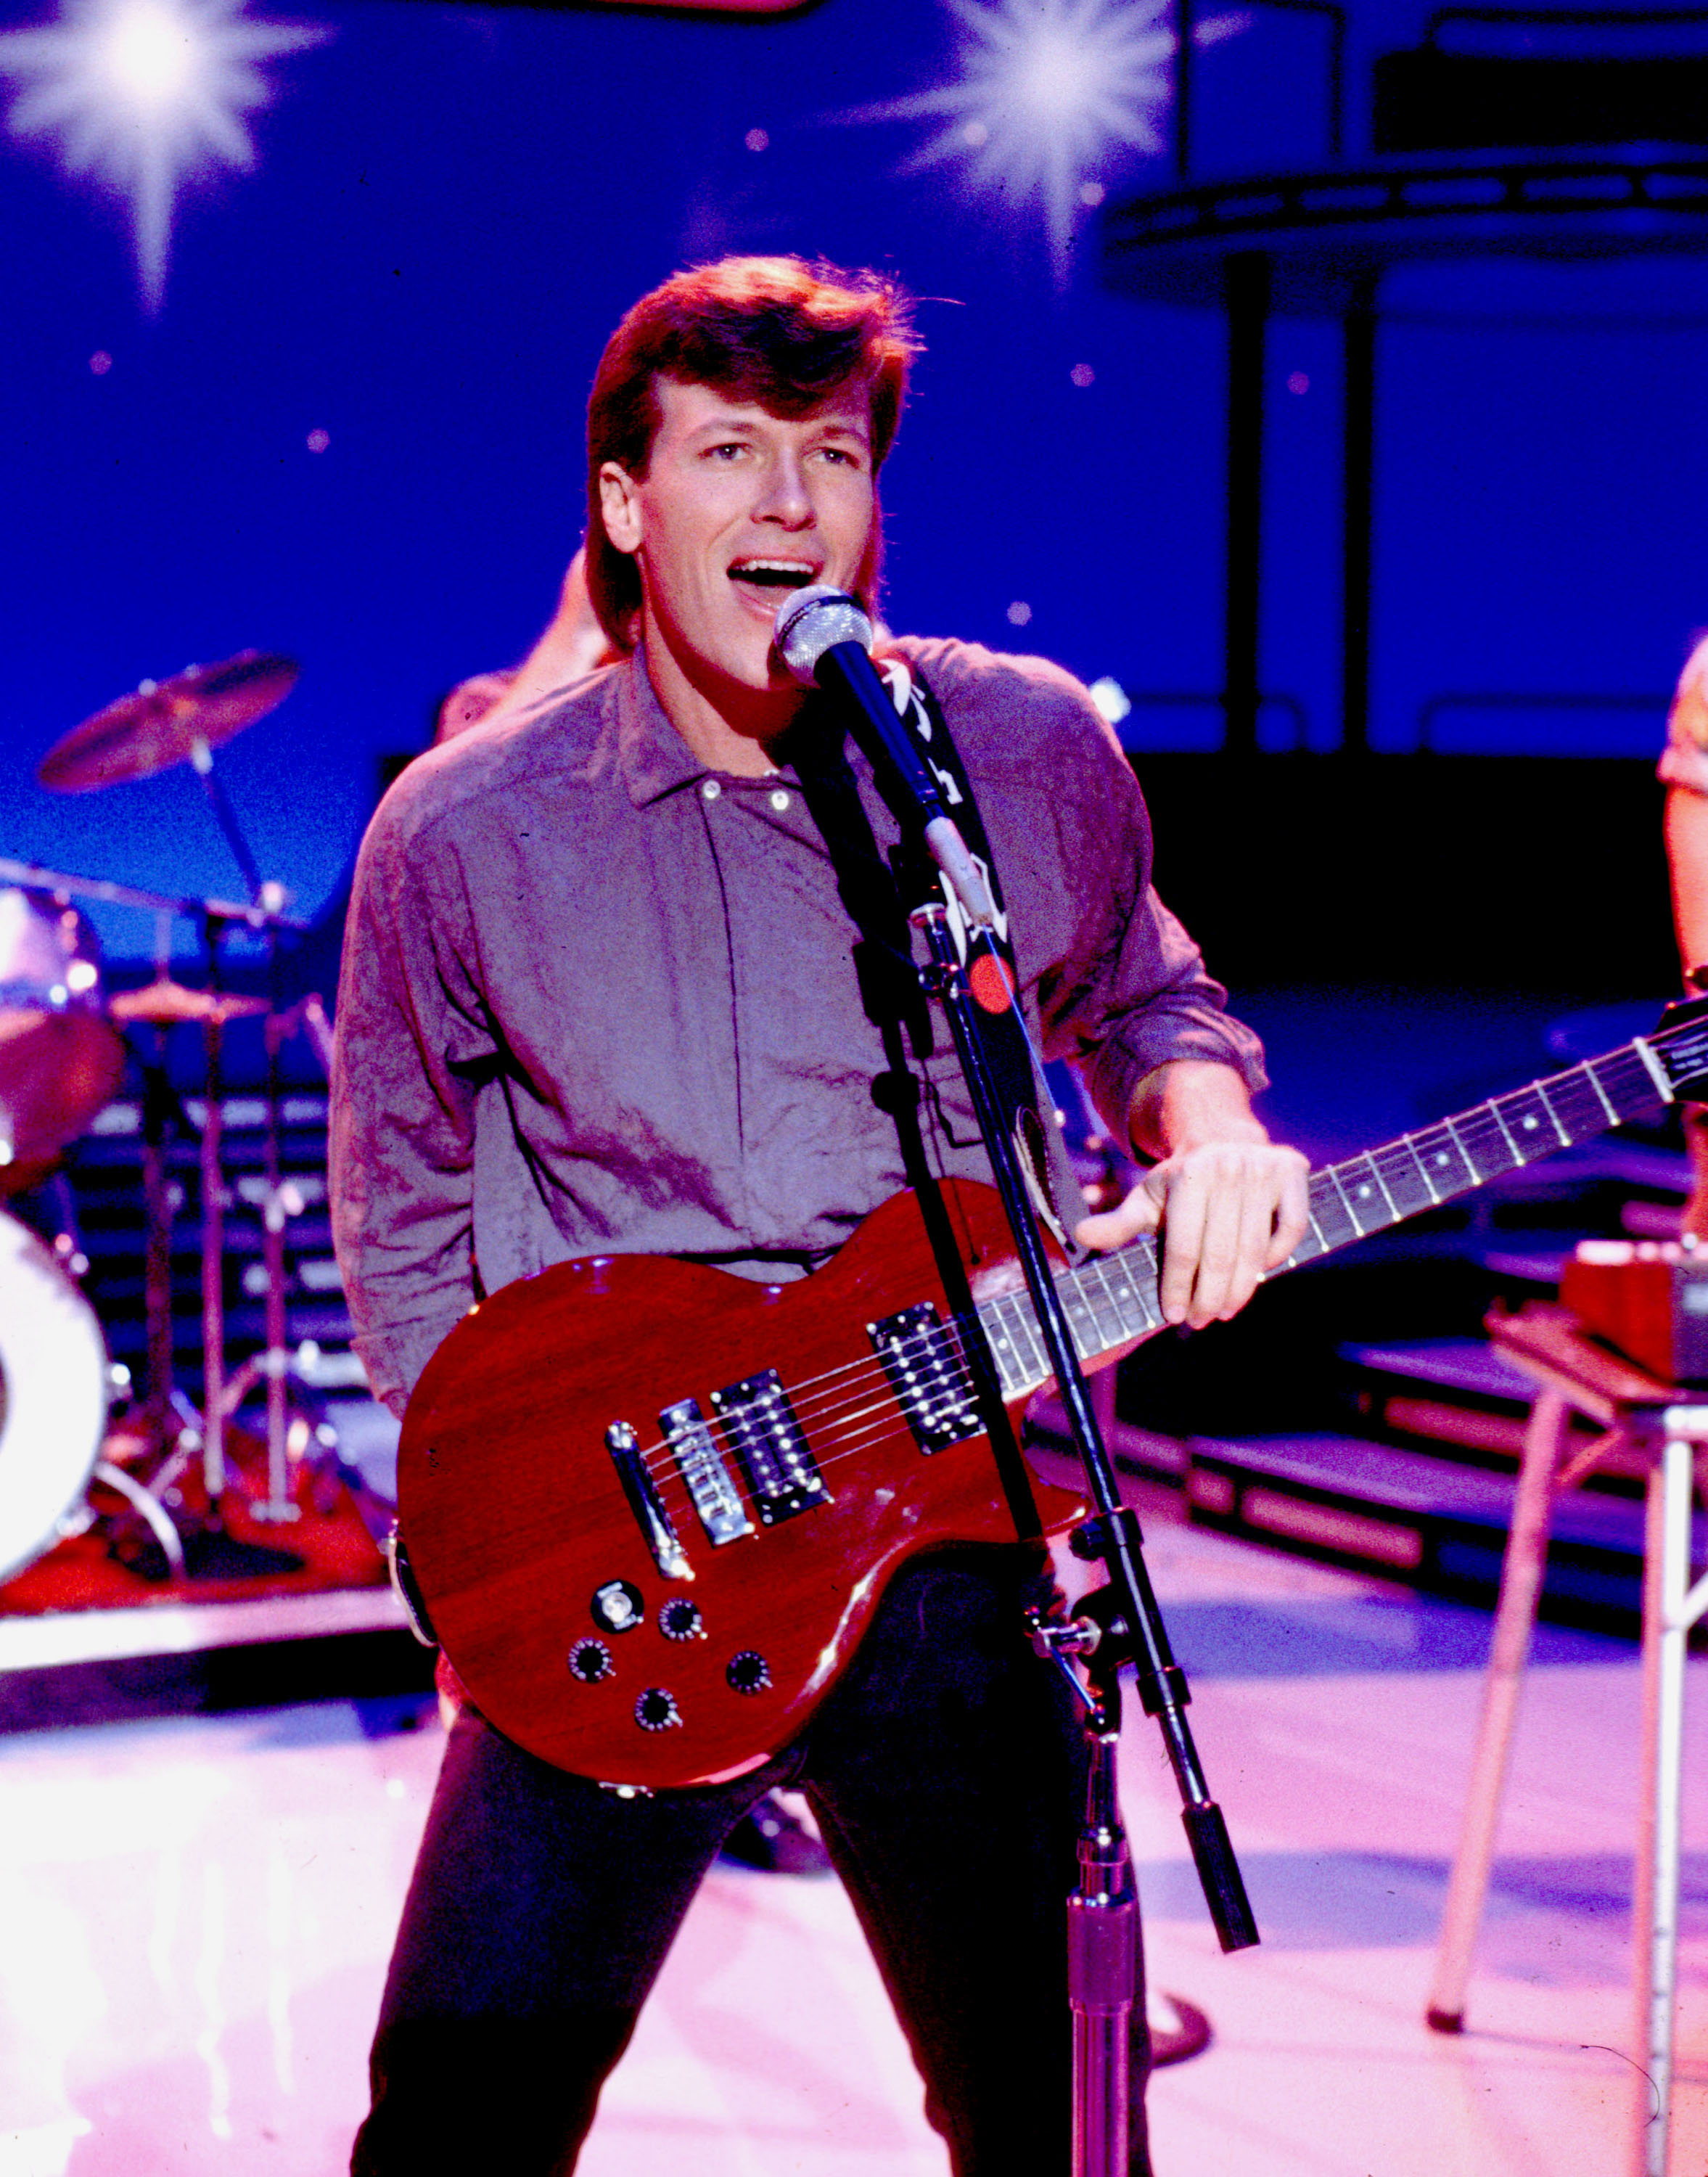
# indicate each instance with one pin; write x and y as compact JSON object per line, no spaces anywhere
{"x":1132,"y":991}
{"x":409,"y":1039}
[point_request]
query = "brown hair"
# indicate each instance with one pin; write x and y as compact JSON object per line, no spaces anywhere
{"x":770,"y":330}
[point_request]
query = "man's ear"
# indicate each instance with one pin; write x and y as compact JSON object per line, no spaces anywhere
{"x":619,"y":504}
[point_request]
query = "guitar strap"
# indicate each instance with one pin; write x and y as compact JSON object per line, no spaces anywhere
{"x":1029,"y":1108}
{"x":880,"y":896}
{"x":894,"y":1001}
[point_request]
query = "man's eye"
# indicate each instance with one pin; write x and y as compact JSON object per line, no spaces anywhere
{"x":727,"y":452}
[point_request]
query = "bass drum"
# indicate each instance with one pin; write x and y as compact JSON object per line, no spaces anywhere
{"x":60,"y":1055}
{"x":52,"y":1397}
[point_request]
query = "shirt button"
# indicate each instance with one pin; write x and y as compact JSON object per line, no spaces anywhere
{"x":779,"y":800}
{"x":710,"y":789}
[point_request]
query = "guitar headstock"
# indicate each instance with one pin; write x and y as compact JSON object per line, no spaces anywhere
{"x":1680,"y":1044}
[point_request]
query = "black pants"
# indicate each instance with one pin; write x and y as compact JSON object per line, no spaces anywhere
{"x":946,"y":1774}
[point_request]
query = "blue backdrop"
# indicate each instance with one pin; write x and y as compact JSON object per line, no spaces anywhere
{"x":451,"y":208}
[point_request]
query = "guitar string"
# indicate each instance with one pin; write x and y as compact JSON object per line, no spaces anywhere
{"x":937,"y":1342}
{"x":1443,"y":1137}
{"x":828,"y":1407}
{"x":845,"y":1443}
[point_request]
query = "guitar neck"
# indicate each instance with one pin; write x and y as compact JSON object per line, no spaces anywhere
{"x":1111,"y":1300}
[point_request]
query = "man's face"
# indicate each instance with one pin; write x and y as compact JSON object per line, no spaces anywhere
{"x":738,"y":508}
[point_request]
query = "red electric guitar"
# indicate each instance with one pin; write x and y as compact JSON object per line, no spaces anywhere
{"x":650,"y":1506}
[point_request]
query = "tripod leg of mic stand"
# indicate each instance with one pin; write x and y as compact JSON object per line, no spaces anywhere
{"x":1102,"y":1973}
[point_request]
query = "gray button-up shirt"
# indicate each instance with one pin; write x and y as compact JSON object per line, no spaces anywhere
{"x":597,"y":999}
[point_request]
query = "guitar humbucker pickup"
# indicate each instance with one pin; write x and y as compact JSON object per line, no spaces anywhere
{"x":760,"y":1425}
{"x":928,"y":1373}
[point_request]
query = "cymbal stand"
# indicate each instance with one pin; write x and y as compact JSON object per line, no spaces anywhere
{"x":213,"y":1188}
{"x":217,"y":1405}
{"x":282,"y":1199}
{"x":202,"y":761}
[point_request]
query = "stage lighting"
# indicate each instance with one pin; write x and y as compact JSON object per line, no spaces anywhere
{"x":144,"y":94}
{"x":1049,"y":90}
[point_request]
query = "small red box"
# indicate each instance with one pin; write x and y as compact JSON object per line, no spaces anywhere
{"x":1648,"y":1299}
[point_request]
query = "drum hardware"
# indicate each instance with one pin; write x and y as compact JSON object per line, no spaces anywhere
{"x":164,"y":1003}
{"x":253,"y":915}
{"x":165,"y":722}
{"x":289,"y":1433}
{"x":60,"y":1055}
{"x":161,"y":724}
{"x":53,"y":1371}
{"x":56,"y":985}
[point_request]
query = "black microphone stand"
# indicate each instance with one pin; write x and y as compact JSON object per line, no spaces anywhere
{"x":824,"y":635}
{"x":1119,"y":1622}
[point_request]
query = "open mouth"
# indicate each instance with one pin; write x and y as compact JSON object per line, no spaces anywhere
{"x":772,"y":576}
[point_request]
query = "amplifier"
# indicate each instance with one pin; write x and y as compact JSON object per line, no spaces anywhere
{"x":1646,"y":1298}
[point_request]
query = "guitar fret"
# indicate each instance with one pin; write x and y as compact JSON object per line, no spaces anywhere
{"x":1404,"y":1180}
{"x":1511,"y":1146}
{"x":1434,"y":1193}
{"x":1374,"y":1169}
{"x":1144,"y":1313}
{"x":1579,"y":1102}
{"x":1000,"y":1339}
{"x":1543,"y":1097}
{"x":1469,"y":1161}
{"x":1656,"y":1072}
{"x":1528,"y":1119}
{"x":1334,"y":1221}
{"x":1075,"y":1308}
{"x":1439,"y":1148}
{"x":1345,"y":1203}
{"x":1111,"y":1313}
{"x":1589,"y":1075}
{"x":1110,"y":1300}
{"x":1025,"y":1324}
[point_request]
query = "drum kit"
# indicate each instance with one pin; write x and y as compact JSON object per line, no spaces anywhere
{"x":63,"y":1046}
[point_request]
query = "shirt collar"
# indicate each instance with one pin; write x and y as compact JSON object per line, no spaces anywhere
{"x":652,"y":757}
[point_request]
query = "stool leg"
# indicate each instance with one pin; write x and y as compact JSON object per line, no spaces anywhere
{"x":1521,"y":1585}
{"x":1655,"y":1919}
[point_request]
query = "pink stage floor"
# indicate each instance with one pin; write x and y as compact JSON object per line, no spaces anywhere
{"x":197,"y":1914}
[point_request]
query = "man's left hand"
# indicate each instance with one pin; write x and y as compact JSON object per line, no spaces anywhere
{"x":1230,"y":1203}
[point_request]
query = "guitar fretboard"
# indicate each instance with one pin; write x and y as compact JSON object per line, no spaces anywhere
{"x":1112,"y":1299}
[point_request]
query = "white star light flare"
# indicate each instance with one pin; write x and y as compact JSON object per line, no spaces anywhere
{"x":144,"y":95}
{"x":1048,"y":88}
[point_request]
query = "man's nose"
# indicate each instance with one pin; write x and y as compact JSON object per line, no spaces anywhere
{"x":786,"y":499}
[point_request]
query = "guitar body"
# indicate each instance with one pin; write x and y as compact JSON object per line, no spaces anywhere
{"x":614,"y":1654}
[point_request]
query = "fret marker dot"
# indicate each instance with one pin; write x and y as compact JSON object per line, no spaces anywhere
{"x":1363,"y":1192}
{"x":1441,"y":1156}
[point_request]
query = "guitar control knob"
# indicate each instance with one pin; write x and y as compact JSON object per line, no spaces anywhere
{"x":749,"y":1672}
{"x":679,"y":1619}
{"x":617,"y":1606}
{"x":590,"y":1660}
{"x":657,"y":1709}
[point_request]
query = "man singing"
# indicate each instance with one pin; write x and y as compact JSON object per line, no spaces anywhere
{"x":600,"y":996}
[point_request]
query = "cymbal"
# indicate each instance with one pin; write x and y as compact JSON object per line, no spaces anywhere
{"x":163,"y":1003}
{"x":161,"y":723}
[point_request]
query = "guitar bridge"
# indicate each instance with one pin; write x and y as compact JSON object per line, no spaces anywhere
{"x":645,"y":1502}
{"x":701,"y":1465}
{"x":928,"y":1373}
{"x":782,"y":1473}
